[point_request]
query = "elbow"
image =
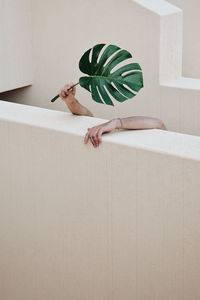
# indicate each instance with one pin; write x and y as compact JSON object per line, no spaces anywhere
{"x":89,"y":114}
{"x":160,"y":124}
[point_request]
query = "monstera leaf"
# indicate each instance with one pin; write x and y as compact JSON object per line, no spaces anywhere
{"x":102,"y":82}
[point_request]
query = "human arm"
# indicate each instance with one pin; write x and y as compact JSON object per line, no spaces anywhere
{"x":136,"y":123}
{"x":67,"y":94}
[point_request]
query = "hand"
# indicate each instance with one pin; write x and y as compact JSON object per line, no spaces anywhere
{"x":95,"y":133}
{"x":67,"y":93}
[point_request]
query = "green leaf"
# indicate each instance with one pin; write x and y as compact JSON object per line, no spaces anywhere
{"x":122,"y":84}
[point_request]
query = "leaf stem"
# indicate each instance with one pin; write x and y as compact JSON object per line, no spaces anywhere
{"x":56,"y":97}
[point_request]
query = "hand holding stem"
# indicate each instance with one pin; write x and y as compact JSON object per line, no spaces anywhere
{"x":70,"y":87}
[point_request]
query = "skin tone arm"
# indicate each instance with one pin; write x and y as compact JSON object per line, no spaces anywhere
{"x":95,"y":133}
{"x":136,"y":123}
{"x":68,"y":96}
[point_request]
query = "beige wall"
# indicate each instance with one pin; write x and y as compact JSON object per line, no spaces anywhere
{"x":15,"y":44}
{"x":63,"y":31}
{"x":61,"y":34}
{"x":151,"y":30}
{"x":191,"y":40}
{"x":117,"y":222}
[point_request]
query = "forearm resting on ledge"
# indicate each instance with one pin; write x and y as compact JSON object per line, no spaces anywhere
{"x":136,"y":122}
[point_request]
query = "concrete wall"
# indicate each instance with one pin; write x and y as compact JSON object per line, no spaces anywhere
{"x":117,"y":222}
{"x":15,"y":44}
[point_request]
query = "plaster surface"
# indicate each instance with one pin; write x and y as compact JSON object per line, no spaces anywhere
{"x":117,"y":222}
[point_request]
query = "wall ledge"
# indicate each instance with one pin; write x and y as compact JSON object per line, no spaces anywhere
{"x":167,"y":142}
{"x":184,"y":83}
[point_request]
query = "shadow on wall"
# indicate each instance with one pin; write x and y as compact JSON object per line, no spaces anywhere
{"x":16,"y":95}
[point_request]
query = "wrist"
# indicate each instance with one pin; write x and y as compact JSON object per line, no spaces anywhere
{"x":118,"y":123}
{"x":70,"y":100}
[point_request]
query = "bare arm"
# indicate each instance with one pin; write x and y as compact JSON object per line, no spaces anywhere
{"x":136,"y":123}
{"x":68,"y":96}
{"x":140,"y":123}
